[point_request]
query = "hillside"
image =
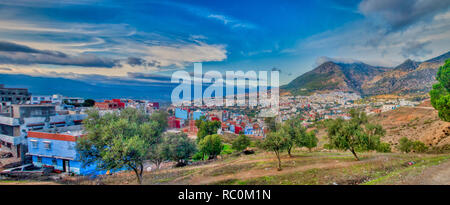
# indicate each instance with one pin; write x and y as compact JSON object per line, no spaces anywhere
{"x":304,"y":168}
{"x":407,"y":78}
{"x":417,"y":123}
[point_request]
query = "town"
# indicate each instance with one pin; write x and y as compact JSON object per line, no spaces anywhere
{"x":42,"y":130}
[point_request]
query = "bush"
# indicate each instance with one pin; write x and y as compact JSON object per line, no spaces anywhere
{"x":419,"y":146}
{"x":226,"y":149}
{"x":211,"y":145}
{"x":241,"y":142}
{"x":406,"y":145}
{"x":384,"y":147}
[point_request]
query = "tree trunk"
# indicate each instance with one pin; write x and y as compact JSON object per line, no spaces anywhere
{"x":279,"y":161}
{"x":138,"y":176}
{"x":289,"y":151}
{"x":354,"y":153}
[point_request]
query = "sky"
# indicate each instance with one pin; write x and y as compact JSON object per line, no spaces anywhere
{"x":145,"y":41}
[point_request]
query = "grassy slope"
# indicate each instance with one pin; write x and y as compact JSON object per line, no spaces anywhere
{"x":303,"y":168}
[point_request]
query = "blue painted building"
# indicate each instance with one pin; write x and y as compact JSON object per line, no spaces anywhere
{"x":180,"y":113}
{"x":197,"y":114}
{"x":58,"y":150}
{"x":248,"y":130}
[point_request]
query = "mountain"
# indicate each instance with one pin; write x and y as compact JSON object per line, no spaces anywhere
{"x":78,"y":88}
{"x":408,"y":77}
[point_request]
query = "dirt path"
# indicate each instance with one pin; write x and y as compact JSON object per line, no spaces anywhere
{"x":434,"y":175}
{"x":271,"y":172}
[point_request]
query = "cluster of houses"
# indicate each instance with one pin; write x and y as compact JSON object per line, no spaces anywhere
{"x":43,"y":130}
{"x":184,"y":119}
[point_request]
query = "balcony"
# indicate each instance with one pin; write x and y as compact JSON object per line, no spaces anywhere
{"x":13,"y":140}
{"x":9,"y":121}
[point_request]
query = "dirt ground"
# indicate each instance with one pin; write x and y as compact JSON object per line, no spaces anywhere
{"x":434,"y":175}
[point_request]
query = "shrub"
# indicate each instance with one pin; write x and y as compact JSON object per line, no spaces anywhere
{"x":211,"y":145}
{"x":406,"y":145}
{"x":241,"y":142}
{"x":384,"y":147}
{"x":419,"y":146}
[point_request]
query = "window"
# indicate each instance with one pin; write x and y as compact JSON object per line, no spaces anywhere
{"x":39,"y":159}
{"x":47,"y":145}
{"x":54,"y":162}
{"x":34,"y":144}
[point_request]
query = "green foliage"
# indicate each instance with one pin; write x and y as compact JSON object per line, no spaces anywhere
{"x":310,"y":140}
{"x":118,"y":140}
{"x":270,"y":123}
{"x":276,"y":142}
{"x":211,"y":145}
{"x":384,"y":147}
{"x":206,"y":127}
{"x":294,"y":132}
{"x":419,"y":147}
{"x":162,"y":117}
{"x":355,"y":134}
{"x":178,"y":147}
{"x":406,"y":145}
{"x":241,"y":142}
{"x":227,"y":149}
{"x":440,"y":94}
{"x":198,"y":156}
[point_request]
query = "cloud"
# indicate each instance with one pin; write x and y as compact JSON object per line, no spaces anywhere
{"x":231,"y":21}
{"x":324,"y":59}
{"x":415,"y":49}
{"x":12,"y":53}
{"x":150,"y":76}
{"x":134,"y":61}
{"x":5,"y":69}
{"x":402,"y":13}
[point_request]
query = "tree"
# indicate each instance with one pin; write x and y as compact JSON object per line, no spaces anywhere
{"x":355,"y":134}
{"x":162,"y":117}
{"x":310,"y":140}
{"x":211,"y":145}
{"x":295,"y":133}
{"x":88,"y":103}
{"x":275,"y":142}
{"x":440,"y":94}
{"x":206,"y":127}
{"x":156,"y":154}
{"x":118,"y":140}
{"x":270,"y":123}
{"x":241,"y":142}
{"x":178,"y":147}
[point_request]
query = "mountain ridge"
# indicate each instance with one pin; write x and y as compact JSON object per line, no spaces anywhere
{"x":367,"y":80}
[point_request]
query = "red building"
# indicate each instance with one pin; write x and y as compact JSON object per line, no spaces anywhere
{"x":110,"y":104}
{"x":174,"y":122}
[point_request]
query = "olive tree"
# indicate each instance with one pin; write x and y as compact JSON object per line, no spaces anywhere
{"x":294,"y":132}
{"x":211,"y":145}
{"x":355,"y":134}
{"x":178,"y":147}
{"x":275,"y":142}
{"x":119,"y":140}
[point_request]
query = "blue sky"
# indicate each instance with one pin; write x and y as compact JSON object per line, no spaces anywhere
{"x":142,"y":40}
